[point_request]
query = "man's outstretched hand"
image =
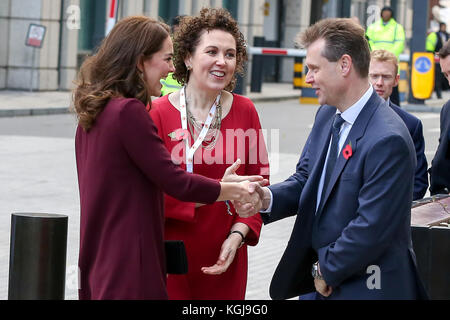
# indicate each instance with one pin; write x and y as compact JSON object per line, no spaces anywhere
{"x":261,"y":202}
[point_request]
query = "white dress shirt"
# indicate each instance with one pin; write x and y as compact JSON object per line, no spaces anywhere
{"x":349,"y":116}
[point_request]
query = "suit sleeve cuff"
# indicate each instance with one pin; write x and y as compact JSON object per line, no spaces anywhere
{"x":269,"y":209}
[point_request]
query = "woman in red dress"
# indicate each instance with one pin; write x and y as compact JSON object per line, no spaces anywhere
{"x":123,"y":166}
{"x":206,"y":128}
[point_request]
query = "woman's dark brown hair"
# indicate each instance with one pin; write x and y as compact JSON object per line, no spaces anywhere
{"x":188,"y":36}
{"x":112,"y":71}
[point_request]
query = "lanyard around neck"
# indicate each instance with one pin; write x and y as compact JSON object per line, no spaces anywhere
{"x":184,"y":123}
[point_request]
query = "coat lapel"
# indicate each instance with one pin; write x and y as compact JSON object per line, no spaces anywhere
{"x":356,"y":132}
{"x":310,"y":190}
{"x":317,"y":169}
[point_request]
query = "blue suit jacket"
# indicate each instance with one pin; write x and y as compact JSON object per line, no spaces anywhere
{"x":414,"y":126}
{"x":440,"y":166}
{"x":365,"y":216}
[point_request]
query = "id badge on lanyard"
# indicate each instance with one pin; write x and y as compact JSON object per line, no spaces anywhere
{"x":201,"y":137}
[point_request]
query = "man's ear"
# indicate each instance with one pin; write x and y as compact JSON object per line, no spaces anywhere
{"x":396,"y":80}
{"x":345,"y":64}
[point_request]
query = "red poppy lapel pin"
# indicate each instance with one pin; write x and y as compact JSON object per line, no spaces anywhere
{"x":179,"y":134}
{"x":347,"y":152}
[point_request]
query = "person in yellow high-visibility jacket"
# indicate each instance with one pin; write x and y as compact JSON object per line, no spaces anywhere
{"x":387,"y":34}
{"x":169,"y":84}
{"x":431,"y":42}
{"x":434,"y":43}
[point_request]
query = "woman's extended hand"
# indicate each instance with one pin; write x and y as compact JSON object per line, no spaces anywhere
{"x":226,"y":257}
{"x":231,"y":176}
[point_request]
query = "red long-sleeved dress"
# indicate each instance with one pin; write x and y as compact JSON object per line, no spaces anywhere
{"x":205,"y":229}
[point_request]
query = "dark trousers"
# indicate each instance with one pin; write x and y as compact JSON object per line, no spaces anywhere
{"x":438,"y":78}
{"x":311,"y":296}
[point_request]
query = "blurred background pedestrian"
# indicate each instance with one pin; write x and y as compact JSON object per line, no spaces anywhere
{"x":389,"y":35}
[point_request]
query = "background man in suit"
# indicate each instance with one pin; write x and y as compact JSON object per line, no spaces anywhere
{"x":440,"y":166}
{"x":434,"y":43}
{"x":383,"y":75}
{"x":387,"y":34}
{"x":352,"y":189}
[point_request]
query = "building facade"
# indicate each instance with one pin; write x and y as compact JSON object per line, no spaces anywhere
{"x":75,"y":27}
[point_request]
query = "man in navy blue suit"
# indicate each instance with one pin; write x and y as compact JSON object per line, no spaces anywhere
{"x":383,"y":75}
{"x":440,"y":166}
{"x":353,"y":185}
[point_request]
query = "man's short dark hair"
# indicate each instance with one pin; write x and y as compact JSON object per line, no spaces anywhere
{"x":387,"y":9}
{"x":342,"y":36}
{"x":445,"y":50}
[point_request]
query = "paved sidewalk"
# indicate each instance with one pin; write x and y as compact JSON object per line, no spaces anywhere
{"x":431,"y":105}
{"x":38,"y":174}
{"x":25,"y":103}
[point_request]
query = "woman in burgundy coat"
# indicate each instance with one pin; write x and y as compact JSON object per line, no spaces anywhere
{"x":124,"y":167}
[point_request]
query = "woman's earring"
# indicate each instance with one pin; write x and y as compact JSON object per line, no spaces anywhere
{"x":189,"y":68}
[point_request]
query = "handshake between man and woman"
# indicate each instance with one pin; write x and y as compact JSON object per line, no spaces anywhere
{"x":252,"y":198}
{"x":247,"y":192}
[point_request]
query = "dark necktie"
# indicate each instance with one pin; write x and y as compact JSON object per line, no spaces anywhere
{"x":332,"y":156}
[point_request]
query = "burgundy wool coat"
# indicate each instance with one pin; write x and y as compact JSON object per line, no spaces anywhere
{"x":123,"y":171}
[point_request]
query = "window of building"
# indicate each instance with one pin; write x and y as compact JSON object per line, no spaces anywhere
{"x":93,"y":19}
{"x":92,"y":31}
{"x":232,"y":6}
{"x":168,"y":9}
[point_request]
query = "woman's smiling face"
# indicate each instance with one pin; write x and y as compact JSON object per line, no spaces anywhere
{"x":213,"y":62}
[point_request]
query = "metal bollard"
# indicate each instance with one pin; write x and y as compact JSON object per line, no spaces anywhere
{"x":257,"y":67}
{"x":37,"y":263}
{"x":308,"y":94}
{"x":403,"y":85}
{"x":241,"y":83}
{"x":298,"y":73}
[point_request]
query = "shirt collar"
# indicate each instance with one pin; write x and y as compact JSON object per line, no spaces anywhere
{"x":386,"y":23}
{"x":352,"y":113}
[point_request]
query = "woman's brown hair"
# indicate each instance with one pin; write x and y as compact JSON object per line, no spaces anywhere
{"x":112,"y":71}
{"x":188,"y":36}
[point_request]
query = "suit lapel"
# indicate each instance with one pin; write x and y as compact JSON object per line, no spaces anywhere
{"x":356,"y":132}
{"x":316,"y":171}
